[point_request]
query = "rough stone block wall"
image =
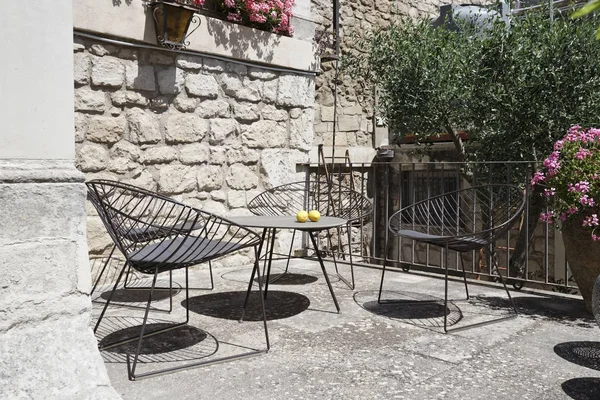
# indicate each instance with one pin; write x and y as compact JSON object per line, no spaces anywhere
{"x":355,"y":101}
{"x":209,"y":133}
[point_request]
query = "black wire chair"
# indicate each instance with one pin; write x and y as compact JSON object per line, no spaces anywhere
{"x":157,"y":234}
{"x":462,"y":220}
{"x":330,"y":199}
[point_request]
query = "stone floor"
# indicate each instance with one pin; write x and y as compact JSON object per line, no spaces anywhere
{"x":368,"y":351}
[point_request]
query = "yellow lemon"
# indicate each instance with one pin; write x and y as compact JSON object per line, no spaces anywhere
{"x":302,"y":216}
{"x":314,"y":215}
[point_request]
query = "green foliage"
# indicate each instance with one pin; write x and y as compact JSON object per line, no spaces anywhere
{"x":590,"y":7}
{"x":515,"y":90}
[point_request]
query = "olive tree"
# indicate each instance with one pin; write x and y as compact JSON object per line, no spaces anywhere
{"x":515,"y":88}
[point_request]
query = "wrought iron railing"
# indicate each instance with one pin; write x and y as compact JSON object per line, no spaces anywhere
{"x":531,"y":254}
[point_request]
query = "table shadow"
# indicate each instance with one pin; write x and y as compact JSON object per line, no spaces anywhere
{"x":228,"y":305}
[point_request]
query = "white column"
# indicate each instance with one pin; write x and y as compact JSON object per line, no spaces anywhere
{"x":47,"y":347}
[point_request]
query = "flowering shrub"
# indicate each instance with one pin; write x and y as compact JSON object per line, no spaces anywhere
{"x":195,"y":3}
{"x":269,"y":15}
{"x":572,"y":178}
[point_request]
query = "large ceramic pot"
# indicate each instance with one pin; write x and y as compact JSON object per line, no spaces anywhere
{"x":583,"y":256}
{"x":596,"y":300}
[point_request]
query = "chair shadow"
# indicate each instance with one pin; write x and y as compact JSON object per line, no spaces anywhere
{"x":137,"y":292}
{"x":412,"y":308}
{"x":289,"y":278}
{"x":179,"y":344}
{"x":562,"y":310}
{"x":582,"y":388}
{"x":585,"y":353}
{"x":228,"y":305}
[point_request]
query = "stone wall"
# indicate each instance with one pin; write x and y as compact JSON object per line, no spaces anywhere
{"x":209,"y":133}
{"x":355,"y":102}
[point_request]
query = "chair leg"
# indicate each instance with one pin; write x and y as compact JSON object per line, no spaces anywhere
{"x":446,"y":289}
{"x":110,"y":297}
{"x":462,"y":264}
{"x":383,"y":271}
{"x":350,"y":284}
{"x":493,"y":321}
{"x":103,"y":268}
{"x":131,"y":369}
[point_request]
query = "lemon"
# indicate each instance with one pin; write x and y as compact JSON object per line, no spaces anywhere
{"x":302,"y":216}
{"x":314,"y":215}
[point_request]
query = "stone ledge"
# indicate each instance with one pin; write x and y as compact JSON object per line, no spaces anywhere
{"x":39,"y":171}
{"x":214,"y":36}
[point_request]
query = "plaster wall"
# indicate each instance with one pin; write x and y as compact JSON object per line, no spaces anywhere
{"x":47,"y":346}
{"x":39,"y":127}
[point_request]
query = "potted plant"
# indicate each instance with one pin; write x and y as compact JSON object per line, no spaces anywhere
{"x":272,"y":16}
{"x":571,"y":181}
{"x":172,"y":20}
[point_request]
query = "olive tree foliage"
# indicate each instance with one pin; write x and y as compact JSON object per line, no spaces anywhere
{"x":515,"y":89}
{"x":420,"y":74}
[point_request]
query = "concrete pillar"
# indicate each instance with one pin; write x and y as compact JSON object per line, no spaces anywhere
{"x":47,"y":348}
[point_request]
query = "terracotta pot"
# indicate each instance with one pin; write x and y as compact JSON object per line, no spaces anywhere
{"x":583,"y":256}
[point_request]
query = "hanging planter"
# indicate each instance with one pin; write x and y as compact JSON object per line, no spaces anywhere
{"x":172,"y":21}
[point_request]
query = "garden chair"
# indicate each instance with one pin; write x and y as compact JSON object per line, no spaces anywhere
{"x":157,"y":234}
{"x":462,"y":220}
{"x":330,"y":199}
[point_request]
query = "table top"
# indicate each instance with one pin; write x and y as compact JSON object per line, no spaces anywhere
{"x":287,"y":222}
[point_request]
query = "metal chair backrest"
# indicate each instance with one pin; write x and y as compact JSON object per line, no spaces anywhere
{"x":332,"y":200}
{"x":171,"y":234}
{"x":477,"y":215}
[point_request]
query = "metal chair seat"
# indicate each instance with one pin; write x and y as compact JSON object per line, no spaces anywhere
{"x":173,"y":253}
{"x":459,"y":243}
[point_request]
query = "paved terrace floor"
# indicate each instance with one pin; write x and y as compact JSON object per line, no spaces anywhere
{"x":368,"y":351}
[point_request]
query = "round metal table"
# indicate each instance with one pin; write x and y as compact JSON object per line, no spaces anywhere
{"x":273,"y":223}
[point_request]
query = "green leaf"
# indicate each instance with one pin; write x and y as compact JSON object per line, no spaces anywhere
{"x":590,"y":7}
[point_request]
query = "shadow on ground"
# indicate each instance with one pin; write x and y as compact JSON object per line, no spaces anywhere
{"x":228,"y":305}
{"x":412,"y":308}
{"x":178,"y":344}
{"x":289,"y":278}
{"x":582,"y":388}
{"x":556,"y":309}
{"x":585,"y":354}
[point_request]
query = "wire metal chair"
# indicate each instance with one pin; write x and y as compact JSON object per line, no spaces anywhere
{"x":462,"y":220}
{"x":157,"y":234}
{"x":330,"y":199}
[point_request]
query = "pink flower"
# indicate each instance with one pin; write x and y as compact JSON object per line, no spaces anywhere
{"x":572,"y":210}
{"x":549,"y":192}
{"x":587,"y":201}
{"x":537,"y":177}
{"x":594,"y":237}
{"x":563,"y":216}
{"x":547,"y":217}
{"x":580,"y":187}
{"x":591,"y":220}
{"x":582,"y":153}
